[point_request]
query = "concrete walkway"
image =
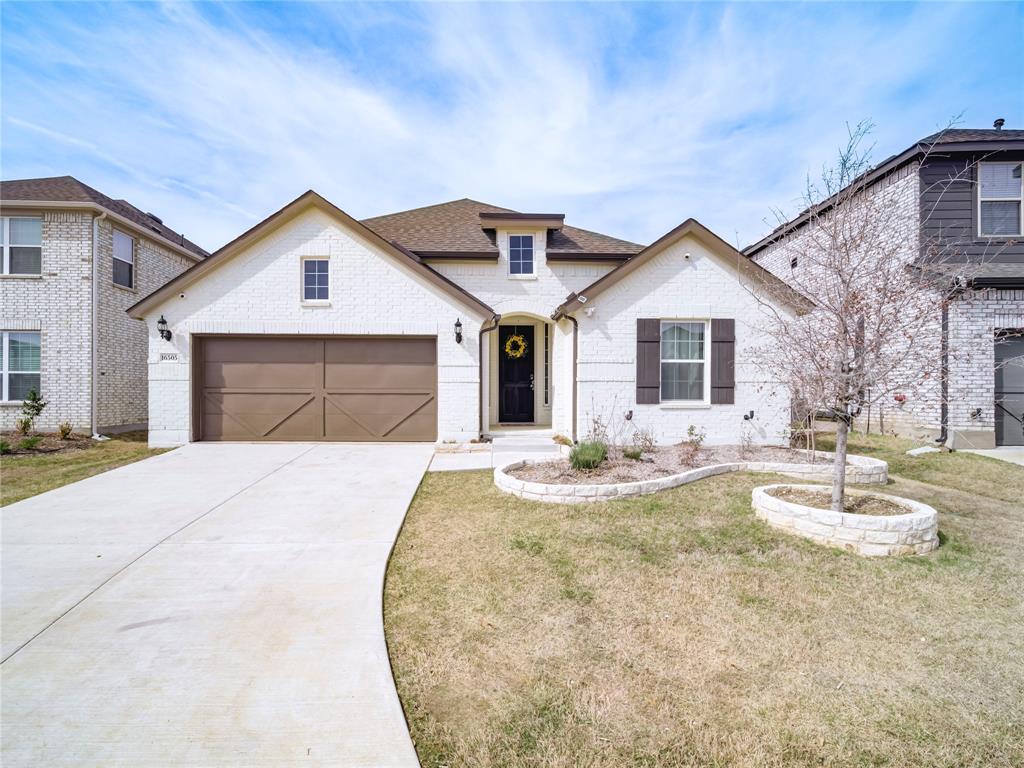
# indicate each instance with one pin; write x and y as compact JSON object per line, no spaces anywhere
{"x":1014,"y":454}
{"x":216,"y":605}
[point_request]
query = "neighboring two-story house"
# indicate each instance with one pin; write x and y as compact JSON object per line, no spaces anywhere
{"x":960,"y":200}
{"x":457,"y":321}
{"x":73,"y":261}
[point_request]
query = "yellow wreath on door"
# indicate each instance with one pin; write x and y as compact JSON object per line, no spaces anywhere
{"x":515,"y":346}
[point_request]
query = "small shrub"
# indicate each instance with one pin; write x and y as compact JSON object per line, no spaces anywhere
{"x":5,"y":447}
{"x":689,"y":449}
{"x":562,"y":440}
{"x":644,"y":440}
{"x":64,"y":430}
{"x":23,"y":425}
{"x":30,"y":443}
{"x":632,"y":452}
{"x":33,"y":405}
{"x":588,"y":455}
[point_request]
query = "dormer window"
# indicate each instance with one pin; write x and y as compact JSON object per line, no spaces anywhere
{"x":520,"y":254}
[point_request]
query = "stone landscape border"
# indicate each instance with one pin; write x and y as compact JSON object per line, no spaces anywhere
{"x":914,"y":533}
{"x":859,"y":469}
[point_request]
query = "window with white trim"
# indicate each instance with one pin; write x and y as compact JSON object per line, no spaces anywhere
{"x":22,"y":238}
{"x":316,"y":280}
{"x":20,"y":364}
{"x":520,"y":254}
{"x":683,"y":360}
{"x":1000,"y":199}
{"x":124,"y":259}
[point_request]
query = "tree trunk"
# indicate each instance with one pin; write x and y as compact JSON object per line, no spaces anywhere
{"x":839,"y":466}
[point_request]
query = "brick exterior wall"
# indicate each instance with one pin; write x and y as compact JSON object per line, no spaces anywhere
{"x":521,"y":299}
{"x":973,"y":322}
{"x":973,"y":318}
{"x":59,"y":305}
{"x":671,"y":286}
{"x":258,"y":291}
{"x":123,"y":341}
{"x":919,"y":415}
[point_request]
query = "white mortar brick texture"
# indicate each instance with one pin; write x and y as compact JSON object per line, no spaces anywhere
{"x":57,"y":304}
{"x":123,"y":341}
{"x":973,"y":319}
{"x":258,"y":291}
{"x":671,"y":286}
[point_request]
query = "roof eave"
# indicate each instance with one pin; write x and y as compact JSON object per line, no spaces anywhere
{"x":112,"y":215}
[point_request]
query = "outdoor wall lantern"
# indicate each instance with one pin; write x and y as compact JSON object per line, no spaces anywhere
{"x":161,"y":326}
{"x":458,"y":331}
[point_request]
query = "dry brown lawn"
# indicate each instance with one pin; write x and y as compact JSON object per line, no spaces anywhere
{"x":676,"y":629}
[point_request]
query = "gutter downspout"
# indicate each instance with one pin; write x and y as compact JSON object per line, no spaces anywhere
{"x":944,"y":376}
{"x":94,"y":396}
{"x":575,"y":353}
{"x":495,"y":319}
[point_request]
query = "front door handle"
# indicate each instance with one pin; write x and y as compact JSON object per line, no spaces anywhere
{"x":531,"y":381}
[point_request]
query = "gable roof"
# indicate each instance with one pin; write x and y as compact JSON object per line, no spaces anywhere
{"x":453,"y":230}
{"x":577,"y":299}
{"x":68,"y":189}
{"x":304,"y":202}
{"x":950,"y":140}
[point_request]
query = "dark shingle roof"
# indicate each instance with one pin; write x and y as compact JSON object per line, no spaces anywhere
{"x":953,"y":135}
{"x":1001,"y":138}
{"x":67,"y":189}
{"x":454,"y":228}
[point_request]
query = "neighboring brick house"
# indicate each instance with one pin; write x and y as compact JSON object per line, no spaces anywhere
{"x":459,"y":320}
{"x":959,"y":198}
{"x":73,"y":261}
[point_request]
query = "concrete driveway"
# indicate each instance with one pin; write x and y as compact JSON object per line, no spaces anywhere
{"x":216,"y":605}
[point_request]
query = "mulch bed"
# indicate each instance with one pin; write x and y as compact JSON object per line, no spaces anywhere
{"x":663,"y":461}
{"x":854,"y":505}
{"x":51,"y":443}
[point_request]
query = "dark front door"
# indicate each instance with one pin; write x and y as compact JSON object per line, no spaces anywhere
{"x":1010,"y":388}
{"x":515,"y":373}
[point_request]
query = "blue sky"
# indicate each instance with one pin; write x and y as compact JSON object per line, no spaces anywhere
{"x":627,"y":118}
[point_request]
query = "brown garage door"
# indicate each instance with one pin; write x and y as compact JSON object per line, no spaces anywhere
{"x":359,"y":388}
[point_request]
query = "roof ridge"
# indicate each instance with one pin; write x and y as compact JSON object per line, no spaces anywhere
{"x":602,"y":234}
{"x":439,"y":205}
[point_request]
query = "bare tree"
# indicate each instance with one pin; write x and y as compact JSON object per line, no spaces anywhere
{"x":874,"y":332}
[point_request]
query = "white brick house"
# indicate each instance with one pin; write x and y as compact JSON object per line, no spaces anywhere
{"x":63,"y":296}
{"x":957,"y":194}
{"x":451,"y":322}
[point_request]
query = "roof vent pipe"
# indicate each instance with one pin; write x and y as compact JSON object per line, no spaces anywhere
{"x":999,"y":123}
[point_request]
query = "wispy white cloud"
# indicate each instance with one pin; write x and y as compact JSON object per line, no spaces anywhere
{"x":628,"y":118}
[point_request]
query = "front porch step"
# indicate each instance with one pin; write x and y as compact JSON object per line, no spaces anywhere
{"x":529,"y":435}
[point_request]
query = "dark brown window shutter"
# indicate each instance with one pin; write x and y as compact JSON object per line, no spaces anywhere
{"x":723,"y":362}
{"x":648,"y":361}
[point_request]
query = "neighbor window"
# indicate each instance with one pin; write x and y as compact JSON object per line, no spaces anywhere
{"x":316,"y":280}
{"x":1000,"y":200}
{"x":20,"y":363}
{"x":683,"y":358}
{"x":520,"y":254}
{"x":124,"y":259}
{"x":22,"y":238}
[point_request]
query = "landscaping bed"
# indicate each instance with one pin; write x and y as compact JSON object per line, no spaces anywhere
{"x":678,"y":629}
{"x":34,"y":443}
{"x":866,"y":504}
{"x":662,"y":461}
